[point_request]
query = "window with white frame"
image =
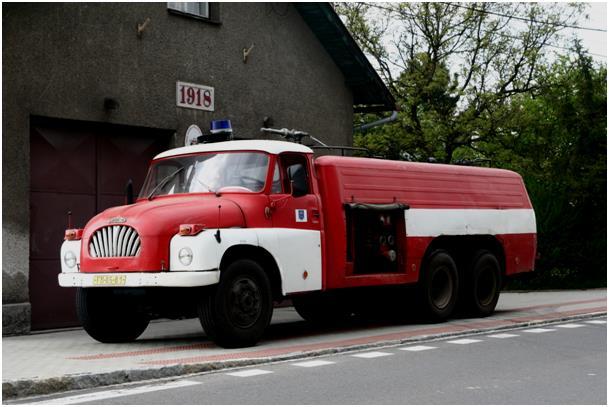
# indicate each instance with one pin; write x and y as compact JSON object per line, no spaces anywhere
{"x":194,"y":9}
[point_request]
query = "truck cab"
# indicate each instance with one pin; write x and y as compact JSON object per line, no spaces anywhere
{"x":242,"y":211}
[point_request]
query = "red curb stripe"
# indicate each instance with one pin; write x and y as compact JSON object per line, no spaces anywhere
{"x":180,"y":348}
{"x":371,"y":339}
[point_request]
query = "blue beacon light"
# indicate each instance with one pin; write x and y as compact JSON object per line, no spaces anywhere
{"x":220,"y":126}
{"x":219,"y":130}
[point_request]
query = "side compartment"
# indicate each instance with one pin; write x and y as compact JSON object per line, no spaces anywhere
{"x":375,"y":238}
{"x":365,"y":240}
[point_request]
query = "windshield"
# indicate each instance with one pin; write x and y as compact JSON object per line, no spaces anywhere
{"x":211,"y":172}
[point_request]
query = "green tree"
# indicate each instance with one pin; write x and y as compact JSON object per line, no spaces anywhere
{"x":452,"y":67}
{"x":558,"y":140}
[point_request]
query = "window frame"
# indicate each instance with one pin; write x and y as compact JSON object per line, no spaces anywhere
{"x":213,"y":11}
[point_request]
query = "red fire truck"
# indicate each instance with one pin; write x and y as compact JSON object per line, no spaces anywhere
{"x":223,"y":230}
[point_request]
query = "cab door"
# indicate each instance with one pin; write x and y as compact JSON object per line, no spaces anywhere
{"x":295,"y":216}
{"x":293,"y":204}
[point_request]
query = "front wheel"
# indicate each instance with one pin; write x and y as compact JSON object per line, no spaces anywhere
{"x":236,"y":312}
{"x":439,"y":287}
{"x":109,"y":315}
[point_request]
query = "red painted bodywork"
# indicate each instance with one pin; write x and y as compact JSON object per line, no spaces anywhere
{"x":159,"y":219}
{"x":335,"y":181}
{"x":364,"y":180}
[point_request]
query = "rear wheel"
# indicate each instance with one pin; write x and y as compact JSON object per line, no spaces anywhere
{"x":236,"y":312}
{"x":484,"y":284}
{"x":440,"y":285}
{"x":110,"y":316}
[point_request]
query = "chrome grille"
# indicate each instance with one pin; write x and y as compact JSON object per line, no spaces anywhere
{"x":114,"y":241}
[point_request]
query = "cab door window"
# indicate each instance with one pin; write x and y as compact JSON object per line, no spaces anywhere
{"x":295,"y":174}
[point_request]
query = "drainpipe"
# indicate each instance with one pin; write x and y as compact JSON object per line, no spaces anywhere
{"x":364,"y":127}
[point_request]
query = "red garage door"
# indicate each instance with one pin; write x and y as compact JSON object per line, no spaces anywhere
{"x":82,"y":168}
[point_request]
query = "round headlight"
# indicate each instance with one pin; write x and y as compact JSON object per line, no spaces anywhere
{"x":69,"y":259}
{"x":185,"y":256}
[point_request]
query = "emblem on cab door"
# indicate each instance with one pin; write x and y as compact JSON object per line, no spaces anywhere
{"x":301,"y":215}
{"x":118,"y":219}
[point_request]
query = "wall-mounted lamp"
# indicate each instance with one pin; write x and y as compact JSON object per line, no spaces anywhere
{"x":110,"y":104}
{"x":268,"y":121}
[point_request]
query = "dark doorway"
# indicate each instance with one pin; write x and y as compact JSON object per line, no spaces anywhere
{"x":80,"y":167}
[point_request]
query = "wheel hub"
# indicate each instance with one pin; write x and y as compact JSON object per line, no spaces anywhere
{"x":441,"y":287}
{"x":486,"y":286}
{"x":245,"y":305}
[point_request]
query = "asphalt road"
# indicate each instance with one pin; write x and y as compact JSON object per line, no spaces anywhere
{"x":554,"y":364}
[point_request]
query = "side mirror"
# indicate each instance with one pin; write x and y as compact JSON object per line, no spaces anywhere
{"x":129,"y":192}
{"x":298,"y":180}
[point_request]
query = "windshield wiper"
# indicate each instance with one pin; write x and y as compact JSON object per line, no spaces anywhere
{"x":163,"y":182}
{"x":208,"y":187}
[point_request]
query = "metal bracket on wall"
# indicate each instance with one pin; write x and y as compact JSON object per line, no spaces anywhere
{"x":141,"y":27}
{"x":246,"y":53}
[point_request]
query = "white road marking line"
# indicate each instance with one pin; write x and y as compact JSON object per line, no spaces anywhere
{"x":108,"y":394}
{"x":597,"y":321}
{"x":369,"y":355}
{"x":464,"y":341}
{"x":418,"y":348}
{"x":591,"y":374}
{"x":502,"y":336}
{"x":248,"y":373}
{"x":538,"y":330}
{"x":569,"y":326}
{"x":313,"y":363}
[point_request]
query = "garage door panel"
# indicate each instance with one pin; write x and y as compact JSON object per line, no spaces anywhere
{"x":49,"y":220}
{"x":62,"y":160}
{"x":105,"y":201}
{"x":54,"y":306}
{"x":82,"y":168}
{"x":125,"y":156}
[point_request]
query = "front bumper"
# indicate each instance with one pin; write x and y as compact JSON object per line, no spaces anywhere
{"x":170,"y":279}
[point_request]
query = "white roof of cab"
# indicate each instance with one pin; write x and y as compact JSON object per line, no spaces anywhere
{"x":269,"y":146}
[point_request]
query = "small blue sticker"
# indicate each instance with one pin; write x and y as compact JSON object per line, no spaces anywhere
{"x":301,"y":215}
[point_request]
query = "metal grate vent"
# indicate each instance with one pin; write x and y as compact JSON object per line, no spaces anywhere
{"x":115,"y":241}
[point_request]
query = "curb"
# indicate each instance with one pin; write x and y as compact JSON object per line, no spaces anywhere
{"x":30,"y":387}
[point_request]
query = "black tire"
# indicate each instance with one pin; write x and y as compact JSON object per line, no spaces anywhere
{"x":237,"y":311}
{"x":483,"y":284}
{"x":108,"y":317}
{"x":439,"y":287}
{"x":321,"y":309}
